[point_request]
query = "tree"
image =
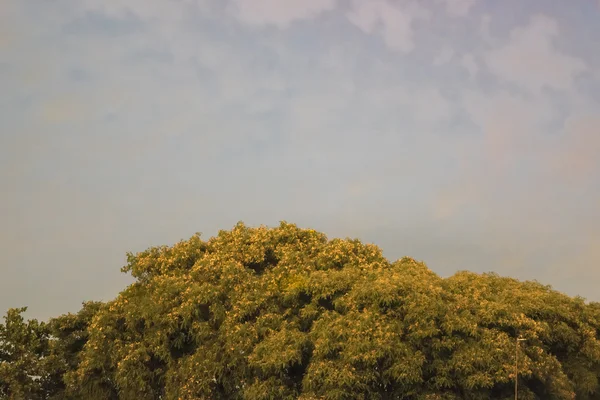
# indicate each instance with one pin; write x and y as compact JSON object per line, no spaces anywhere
{"x":37,"y":360}
{"x":285,"y":313}
{"x":22,"y":346}
{"x":68,"y":335}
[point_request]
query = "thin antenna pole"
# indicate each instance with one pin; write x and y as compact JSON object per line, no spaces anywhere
{"x":517,"y":366}
{"x":516,"y":369}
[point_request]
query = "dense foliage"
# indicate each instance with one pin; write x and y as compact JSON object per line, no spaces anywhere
{"x":285,"y":313}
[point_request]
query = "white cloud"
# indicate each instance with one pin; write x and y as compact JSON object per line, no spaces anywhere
{"x":577,"y":156}
{"x":444,"y":57}
{"x":425,"y":104}
{"x":430,"y":106}
{"x":451,"y":200}
{"x":469,"y":63}
{"x":531,"y":60}
{"x":393,"y":22}
{"x":509,"y":123}
{"x":459,"y":7}
{"x":484,"y":28}
{"x":277,"y":12}
{"x":343,"y":123}
{"x":143,"y":9}
{"x":582,"y":271}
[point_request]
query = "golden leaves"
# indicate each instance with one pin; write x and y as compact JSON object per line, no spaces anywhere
{"x":244,"y":310}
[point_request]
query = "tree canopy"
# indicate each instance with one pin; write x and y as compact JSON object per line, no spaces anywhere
{"x":285,"y":313}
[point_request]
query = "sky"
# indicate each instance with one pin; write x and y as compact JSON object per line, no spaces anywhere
{"x":463,"y":133}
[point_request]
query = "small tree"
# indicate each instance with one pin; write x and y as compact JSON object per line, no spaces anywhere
{"x":22,"y":345}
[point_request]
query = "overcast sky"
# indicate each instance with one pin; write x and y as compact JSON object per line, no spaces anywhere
{"x":464,"y":133}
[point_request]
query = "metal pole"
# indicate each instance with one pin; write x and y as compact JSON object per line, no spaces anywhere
{"x":517,"y":366}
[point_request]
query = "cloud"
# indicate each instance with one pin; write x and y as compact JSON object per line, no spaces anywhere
{"x":444,"y":56}
{"x":7,"y":37}
{"x":578,"y":269}
{"x":389,"y":19}
{"x":531,"y":60}
{"x":576,"y":156}
{"x":484,"y":28}
{"x":278,"y":13}
{"x":459,"y":7}
{"x":469,"y":63}
{"x":430,"y":106}
{"x":146,"y":10}
{"x":510,"y":124}
{"x":450,"y":201}
{"x":151,"y":120}
{"x":509,"y":127}
{"x":58,"y":112}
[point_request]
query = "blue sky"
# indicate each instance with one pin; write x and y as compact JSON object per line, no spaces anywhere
{"x":464,"y":133}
